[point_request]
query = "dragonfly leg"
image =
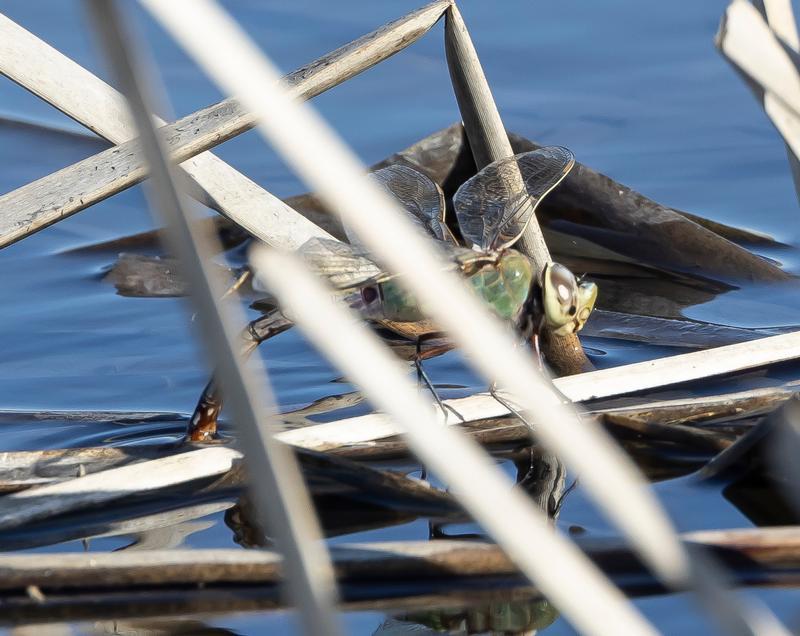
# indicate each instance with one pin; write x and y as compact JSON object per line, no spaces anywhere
{"x":493,"y":392}
{"x":539,"y":359}
{"x":423,"y":378}
{"x":203,"y":423}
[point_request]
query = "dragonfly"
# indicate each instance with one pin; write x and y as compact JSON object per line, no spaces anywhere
{"x":493,"y":209}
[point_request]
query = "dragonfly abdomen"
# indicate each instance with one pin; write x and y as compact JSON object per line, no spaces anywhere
{"x":398,"y":304}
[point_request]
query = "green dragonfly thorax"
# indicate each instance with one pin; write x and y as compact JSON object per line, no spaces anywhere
{"x":503,"y":285}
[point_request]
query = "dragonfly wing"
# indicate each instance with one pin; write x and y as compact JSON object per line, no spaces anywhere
{"x":494,"y":207}
{"x":345,"y":266}
{"x":349,"y":267}
{"x":421,"y":197}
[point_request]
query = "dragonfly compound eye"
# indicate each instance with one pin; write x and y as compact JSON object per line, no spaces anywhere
{"x":560,"y":295}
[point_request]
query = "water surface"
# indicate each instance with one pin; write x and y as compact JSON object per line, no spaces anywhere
{"x":635,"y":89}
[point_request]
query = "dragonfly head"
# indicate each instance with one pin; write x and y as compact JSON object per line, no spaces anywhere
{"x":567,"y":302}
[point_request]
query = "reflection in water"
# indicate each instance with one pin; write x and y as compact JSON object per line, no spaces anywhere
{"x":542,"y":476}
{"x":539,"y":473}
{"x":511,"y":618}
{"x":338,"y":516}
{"x":172,"y":627}
{"x":751,"y":479}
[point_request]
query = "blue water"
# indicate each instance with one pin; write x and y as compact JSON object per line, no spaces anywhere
{"x":635,"y":89}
